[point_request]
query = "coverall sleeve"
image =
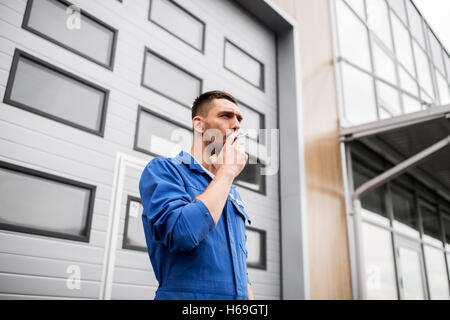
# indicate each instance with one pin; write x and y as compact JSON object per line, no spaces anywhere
{"x":170,"y":215}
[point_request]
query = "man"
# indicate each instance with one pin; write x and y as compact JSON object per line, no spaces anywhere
{"x":193,"y":217}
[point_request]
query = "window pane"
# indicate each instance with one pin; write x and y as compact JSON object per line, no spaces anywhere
{"x":251,"y":122}
{"x":251,"y":176}
{"x":443,"y":87}
{"x":448,"y":263}
{"x":134,"y":232}
{"x":353,"y":40}
{"x":388,"y":98}
{"x":411,"y":271}
{"x":379,"y":263}
{"x":404,"y":214}
{"x":255,"y":248}
{"x":170,"y":80}
{"x":161,"y":137}
{"x":372,"y":203}
{"x":425,"y":96}
{"x":241,"y":63}
{"x":436,"y":51}
{"x":384,"y":65}
{"x":51,"y":206}
{"x":415,"y":23}
{"x":399,"y":7}
{"x":91,"y":38}
{"x":403,"y":47}
{"x":437,"y":275}
{"x":431,"y":227}
{"x":447,"y":60}
{"x":446,"y":221}
{"x":358,"y":94}
{"x":378,"y":20}
{"x":411,"y":105}
{"x":408,"y":84}
{"x":54,"y":94}
{"x":423,"y":69}
{"x":178,"y":21}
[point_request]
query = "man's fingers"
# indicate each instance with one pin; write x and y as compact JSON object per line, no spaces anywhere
{"x":240,"y":143}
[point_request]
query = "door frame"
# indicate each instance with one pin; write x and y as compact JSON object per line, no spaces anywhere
{"x":123,"y":161}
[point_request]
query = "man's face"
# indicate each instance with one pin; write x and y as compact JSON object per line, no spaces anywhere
{"x":224,"y":116}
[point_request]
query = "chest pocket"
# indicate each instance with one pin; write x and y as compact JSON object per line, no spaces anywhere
{"x":241,"y":235}
{"x":240,"y":209}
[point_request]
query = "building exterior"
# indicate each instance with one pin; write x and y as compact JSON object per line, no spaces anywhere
{"x":356,"y":204}
{"x":393,"y":78}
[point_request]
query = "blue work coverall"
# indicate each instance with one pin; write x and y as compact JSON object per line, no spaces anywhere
{"x":192,"y":259}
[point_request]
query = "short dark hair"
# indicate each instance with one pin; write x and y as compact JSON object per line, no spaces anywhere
{"x":199,"y":105}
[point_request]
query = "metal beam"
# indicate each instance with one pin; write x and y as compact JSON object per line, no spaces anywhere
{"x":372,"y":128}
{"x":393,"y":156}
{"x":400,"y":168}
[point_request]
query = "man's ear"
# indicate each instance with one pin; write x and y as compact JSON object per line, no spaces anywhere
{"x":198,"y":126}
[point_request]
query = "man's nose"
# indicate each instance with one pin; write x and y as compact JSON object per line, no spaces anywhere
{"x":236,"y":124}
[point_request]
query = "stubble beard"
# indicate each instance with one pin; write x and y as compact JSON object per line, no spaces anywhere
{"x":213,"y":142}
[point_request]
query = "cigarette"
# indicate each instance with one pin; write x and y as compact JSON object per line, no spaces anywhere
{"x":242,"y":135}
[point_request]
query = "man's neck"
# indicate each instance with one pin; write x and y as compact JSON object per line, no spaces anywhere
{"x":198,"y":156}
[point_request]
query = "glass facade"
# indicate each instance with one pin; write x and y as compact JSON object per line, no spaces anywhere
{"x":390,"y":61}
{"x":405,"y":235}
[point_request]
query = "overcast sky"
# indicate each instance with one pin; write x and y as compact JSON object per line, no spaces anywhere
{"x":437,"y":14}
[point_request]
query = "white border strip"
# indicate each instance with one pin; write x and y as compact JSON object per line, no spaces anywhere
{"x":302,"y":171}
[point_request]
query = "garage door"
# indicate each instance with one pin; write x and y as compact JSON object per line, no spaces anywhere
{"x":136,"y":79}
